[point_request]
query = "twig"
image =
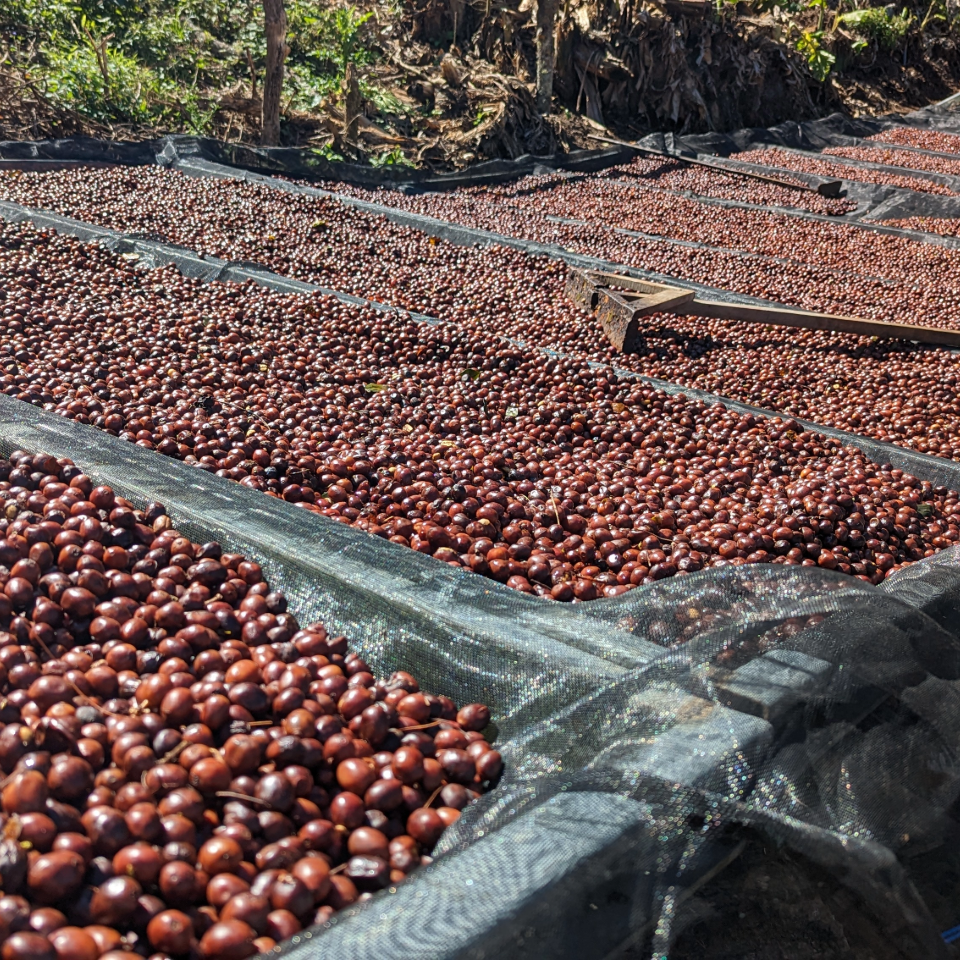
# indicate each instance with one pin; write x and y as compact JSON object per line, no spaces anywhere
{"x":422,"y":726}
{"x":583,"y":79}
{"x":175,"y":752}
{"x":100,"y":52}
{"x":253,"y":75}
{"x":241,"y":796}
{"x":414,"y":70}
{"x":434,"y":795}
{"x":926,"y":19}
{"x":77,"y":118}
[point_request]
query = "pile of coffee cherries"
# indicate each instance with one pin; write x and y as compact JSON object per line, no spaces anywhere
{"x":645,"y":177}
{"x":831,"y":267}
{"x":822,"y":166}
{"x":898,"y":158}
{"x":557,"y":478}
{"x":940,"y":225}
{"x":917,"y":137}
{"x":188,"y":771}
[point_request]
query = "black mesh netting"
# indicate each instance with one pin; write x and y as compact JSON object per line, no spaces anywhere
{"x":874,"y":201}
{"x":201,"y":156}
{"x":754,"y":762}
{"x":295,"y":161}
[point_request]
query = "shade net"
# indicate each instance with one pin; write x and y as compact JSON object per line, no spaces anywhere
{"x":296,"y":161}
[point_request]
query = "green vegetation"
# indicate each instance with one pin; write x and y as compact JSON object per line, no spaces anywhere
{"x":874,"y":28}
{"x":326,"y":152}
{"x":163,"y":62}
{"x":391,"y":158}
{"x":875,"y":24}
{"x":820,"y":61}
{"x":197,"y":65}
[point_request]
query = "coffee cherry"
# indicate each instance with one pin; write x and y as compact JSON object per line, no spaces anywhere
{"x":228,"y":940}
{"x":27,"y":946}
{"x":55,"y":877}
{"x":162,"y":852}
{"x":220,"y":855}
{"x":171,"y":931}
{"x":74,"y":943}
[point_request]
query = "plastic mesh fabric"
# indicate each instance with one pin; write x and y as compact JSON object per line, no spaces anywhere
{"x":209,"y":157}
{"x":818,"y":744}
{"x":803,"y":732}
{"x":297,"y":162}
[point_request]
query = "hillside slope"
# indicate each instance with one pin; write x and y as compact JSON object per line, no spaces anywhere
{"x":444,"y":82}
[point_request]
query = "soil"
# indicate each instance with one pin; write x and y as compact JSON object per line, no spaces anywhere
{"x":622,"y":71}
{"x":931,"y":73}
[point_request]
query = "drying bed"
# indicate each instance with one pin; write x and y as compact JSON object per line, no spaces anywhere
{"x":557,"y":478}
{"x":935,"y":140}
{"x":807,"y":263}
{"x":583,"y":801}
{"x":669,"y":175}
{"x":825,"y":167}
{"x":822,"y":266}
{"x":813,"y":375}
{"x":909,"y":159}
{"x":941,"y":226}
{"x":190,"y":769}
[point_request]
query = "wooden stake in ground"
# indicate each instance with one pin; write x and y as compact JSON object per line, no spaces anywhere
{"x":353,"y":104}
{"x":546,"y":52}
{"x":275,"y":23}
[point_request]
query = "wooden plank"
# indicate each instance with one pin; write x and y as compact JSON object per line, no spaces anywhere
{"x":620,"y":310}
{"x":671,"y":300}
{"x":615,"y":319}
{"x":583,"y":285}
{"x":784,"y":316}
{"x":602,"y":279}
{"x":581,"y":289}
{"x":620,"y":316}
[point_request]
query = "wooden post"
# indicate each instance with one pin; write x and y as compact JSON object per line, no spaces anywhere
{"x":275,"y":23}
{"x":546,"y":52}
{"x":352,"y":104}
{"x":457,"y":12}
